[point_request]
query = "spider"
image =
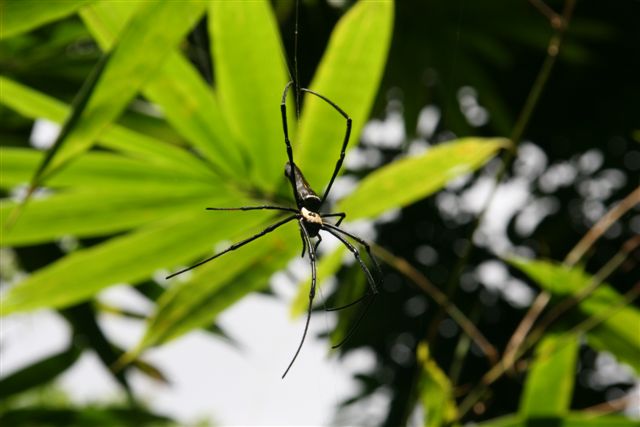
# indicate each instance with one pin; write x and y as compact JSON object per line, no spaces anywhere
{"x":310,"y":221}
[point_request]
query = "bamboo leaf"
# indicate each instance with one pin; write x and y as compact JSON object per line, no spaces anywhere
{"x":604,"y":304}
{"x":574,"y":419}
{"x":549,"y":385}
{"x":142,"y":47}
{"x":33,"y":104}
{"x":217,"y":285}
{"x":20,"y":16}
{"x":250,"y":74}
{"x":39,"y":373}
{"x":413,"y":178}
{"x":435,"y":390}
{"x":349,"y":74}
{"x":127,"y":259}
{"x":186,"y":100}
{"x":95,"y":170}
{"x":100,"y":212}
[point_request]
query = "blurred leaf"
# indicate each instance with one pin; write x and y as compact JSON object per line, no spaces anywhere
{"x":127,"y":259}
{"x":613,"y":334}
{"x":39,"y":373}
{"x":574,"y":419}
{"x":413,"y":178}
{"x":100,"y":212}
{"x":33,"y":104}
{"x":83,"y":319}
{"x":142,"y":47}
{"x":327,"y":267}
{"x":349,"y":74}
{"x":185,"y":99}
{"x":250,"y":72}
{"x":435,"y":390}
{"x":549,"y":385}
{"x":20,"y":16}
{"x":81,"y":417}
{"x":217,"y":285}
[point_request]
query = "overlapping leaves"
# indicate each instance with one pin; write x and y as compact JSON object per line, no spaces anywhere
{"x":153,"y":193}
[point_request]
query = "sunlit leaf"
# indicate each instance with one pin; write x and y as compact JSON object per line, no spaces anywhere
{"x":435,"y":391}
{"x":95,"y":170}
{"x":217,"y":285}
{"x":33,"y":104}
{"x":549,"y":385}
{"x":605,"y":304}
{"x":574,"y":419}
{"x":19,"y":16}
{"x":186,"y":100}
{"x":178,"y":239}
{"x":413,"y":178}
{"x":140,"y":50}
{"x":100,"y":212}
{"x":250,"y":71}
{"x":349,"y":74}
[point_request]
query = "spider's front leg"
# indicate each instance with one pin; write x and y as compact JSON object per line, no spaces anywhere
{"x":312,"y":291}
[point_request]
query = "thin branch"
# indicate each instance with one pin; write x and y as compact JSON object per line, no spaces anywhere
{"x":574,"y":256}
{"x":406,"y":269}
{"x":505,"y":364}
{"x":602,"y":226}
{"x":555,"y":20}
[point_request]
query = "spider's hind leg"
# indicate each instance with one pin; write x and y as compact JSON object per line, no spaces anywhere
{"x":371,"y":293}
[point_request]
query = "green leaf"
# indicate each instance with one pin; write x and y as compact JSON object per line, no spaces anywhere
{"x":33,"y":104}
{"x":20,"y":16}
{"x":217,"y":285}
{"x":81,"y":417}
{"x":413,"y":178}
{"x":127,"y":259}
{"x":142,"y":47}
{"x":435,"y":391}
{"x":39,"y":373}
{"x":549,"y":385}
{"x":574,"y":419}
{"x":349,"y":74}
{"x":250,"y":73}
{"x":328,"y":265}
{"x":95,"y":170}
{"x":100,"y":212}
{"x":186,"y":100}
{"x":605,"y":303}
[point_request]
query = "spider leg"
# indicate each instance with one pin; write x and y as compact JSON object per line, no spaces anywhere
{"x":304,"y":244}
{"x":369,"y":298}
{"x":356,"y":253}
{"x":235,"y":246}
{"x":342,"y":216}
{"x":253,"y":208}
{"x":344,"y":142}
{"x":317,"y":243}
{"x":285,"y":129}
{"x":312,"y":292}
{"x":362,"y":242}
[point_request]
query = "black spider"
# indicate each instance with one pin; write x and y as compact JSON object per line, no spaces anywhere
{"x":310,"y":220}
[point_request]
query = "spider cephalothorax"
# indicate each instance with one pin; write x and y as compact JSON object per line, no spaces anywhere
{"x":310,"y":219}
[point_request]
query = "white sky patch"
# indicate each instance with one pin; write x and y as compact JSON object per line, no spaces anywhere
{"x":428,"y":120}
{"x":43,"y":134}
